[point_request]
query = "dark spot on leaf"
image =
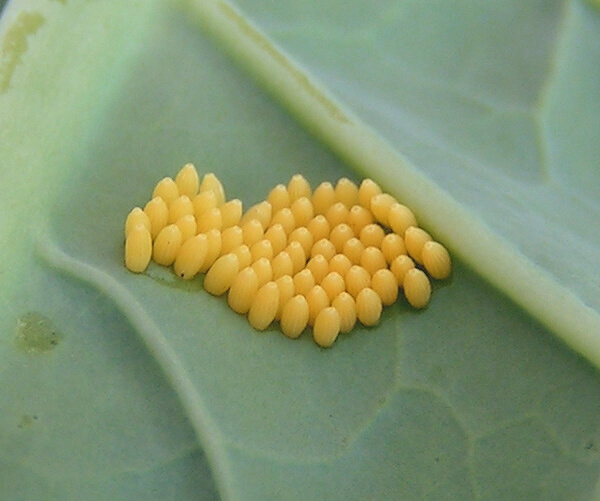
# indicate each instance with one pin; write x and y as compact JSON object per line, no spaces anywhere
{"x":36,"y":333}
{"x":26,"y":421}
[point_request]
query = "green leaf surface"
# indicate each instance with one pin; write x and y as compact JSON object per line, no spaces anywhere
{"x":149,"y":388}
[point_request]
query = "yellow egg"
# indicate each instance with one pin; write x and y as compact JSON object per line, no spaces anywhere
{"x":357,"y":279}
{"x":367,"y":190}
{"x":333,"y":284}
{"x":346,"y":306}
{"x":278,"y":238}
{"x":279,"y":198}
{"x":213,"y":249}
{"x":187,"y":225}
{"x":285,"y":284}
{"x":323,"y":198}
{"x":304,"y":237}
{"x":359,"y":217}
{"x":346,"y":192}
{"x":264,"y":306}
{"x":399,"y":266}
{"x":244,"y":255}
{"x":231,"y":238}
{"x":326,"y":327}
{"x":282,"y":265}
{"x":319,"y":267}
{"x":436,"y":260}
{"x":210,"y":182}
{"x":203,"y":202}
{"x":221,"y":274}
{"x":303,"y":211}
{"x":368,"y":307}
{"x":392,"y":246}
{"x":210,"y":220}
{"x":319,"y":227}
{"x":253,"y":232}
{"x":187,"y":180}
{"x":336,"y":214}
{"x":190,"y":257}
{"x":285,"y":217}
{"x":303,"y":281}
{"x":138,"y":248}
{"x":380,"y":207}
{"x":317,"y":299}
{"x":339,"y":235}
{"x":340,"y":263}
{"x":262,"y":212}
{"x":135,"y":217}
{"x":385,"y":284}
{"x":417,"y":288}
{"x":296,"y":252}
{"x":372,"y":235}
{"x":324,"y":247}
{"x":262,"y":248}
{"x":353,"y":249}
{"x":400,"y":218}
{"x":264,"y":270}
{"x":231,"y":213}
{"x":372,"y":259}
{"x":166,"y":189}
{"x":294,"y":316}
{"x":242,"y":290}
{"x":166,"y":245}
{"x":414,"y":240}
{"x":180,"y":207}
{"x":158,"y":214}
{"x":298,"y":187}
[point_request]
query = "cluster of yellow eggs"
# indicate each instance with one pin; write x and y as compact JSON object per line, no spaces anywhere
{"x":324,"y":258}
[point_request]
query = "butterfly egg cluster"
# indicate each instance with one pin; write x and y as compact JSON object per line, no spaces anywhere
{"x":323,"y":259}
